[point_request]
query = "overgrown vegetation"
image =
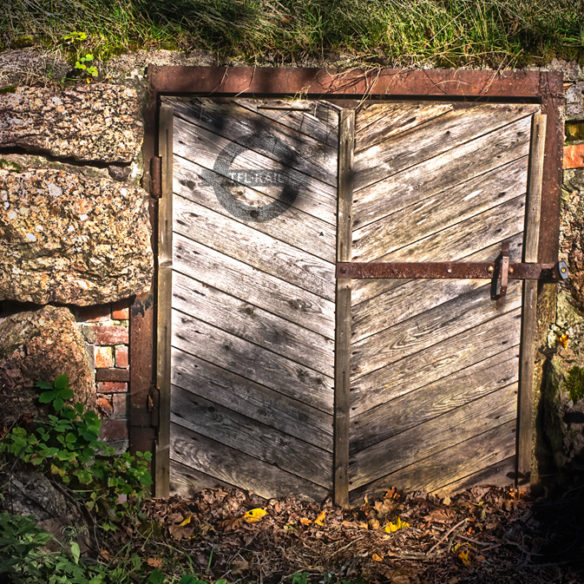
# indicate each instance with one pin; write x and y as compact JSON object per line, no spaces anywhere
{"x":494,"y":33}
{"x":575,"y":383}
{"x":108,"y":487}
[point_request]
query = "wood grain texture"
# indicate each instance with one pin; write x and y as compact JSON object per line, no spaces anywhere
{"x":251,"y":361}
{"x":188,"y":482}
{"x":434,"y":399}
{"x":434,"y":137}
{"x":475,"y":233}
{"x":462,"y":460}
{"x":441,"y":172}
{"x":317,"y":119}
{"x":435,"y":325}
{"x":237,"y":468}
{"x":253,"y":324}
{"x":256,"y":249}
{"x":266,"y":443}
{"x":275,"y":140}
{"x":436,"y":362}
{"x":428,"y":439}
{"x":252,"y":400}
{"x":500,"y":474}
{"x":447,"y":209}
{"x":254,"y":286}
{"x":376,"y":122}
{"x":300,"y":226}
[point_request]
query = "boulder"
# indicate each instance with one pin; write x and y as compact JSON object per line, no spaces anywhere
{"x":38,"y":345}
{"x":72,"y":239}
{"x":90,"y":123}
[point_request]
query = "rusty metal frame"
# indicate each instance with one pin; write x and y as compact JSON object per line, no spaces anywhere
{"x":544,"y":88}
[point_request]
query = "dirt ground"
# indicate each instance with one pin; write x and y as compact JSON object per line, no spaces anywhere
{"x":483,"y":535}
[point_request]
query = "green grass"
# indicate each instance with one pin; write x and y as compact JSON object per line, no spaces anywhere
{"x":494,"y":33}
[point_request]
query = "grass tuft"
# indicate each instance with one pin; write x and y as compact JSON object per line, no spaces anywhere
{"x":389,"y":32}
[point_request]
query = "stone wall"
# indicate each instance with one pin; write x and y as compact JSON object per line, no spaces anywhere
{"x":75,"y":233}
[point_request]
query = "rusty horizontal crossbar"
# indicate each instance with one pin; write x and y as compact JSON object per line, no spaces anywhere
{"x":455,"y":270}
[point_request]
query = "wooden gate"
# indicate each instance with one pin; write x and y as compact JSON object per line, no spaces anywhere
{"x":293,"y":367}
{"x":434,"y":363}
{"x":253,"y":285}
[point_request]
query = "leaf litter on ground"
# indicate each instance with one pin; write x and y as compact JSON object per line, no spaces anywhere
{"x":480,"y":535}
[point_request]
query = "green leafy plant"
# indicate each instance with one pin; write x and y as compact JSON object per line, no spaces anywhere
{"x":84,"y":63}
{"x":67,"y":446}
{"x":24,"y":557}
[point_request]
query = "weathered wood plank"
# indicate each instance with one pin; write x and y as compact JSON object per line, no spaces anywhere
{"x":377,"y":122}
{"x":256,"y":249}
{"x":257,"y":133}
{"x":437,"y":361}
{"x":430,"y":438}
{"x":434,"y":399}
{"x":438,"y":324}
{"x":343,"y":314}
{"x":478,"y":232}
{"x":163,"y":307}
{"x":237,"y":468}
{"x":300,"y":226}
{"x":444,"y":210}
{"x":187,"y":482}
{"x":488,"y":449}
{"x":248,"y":283}
{"x":434,"y":137}
{"x":251,"y":361}
{"x":252,"y":323}
{"x":525,"y":446}
{"x":252,"y":400}
{"x":317,"y":119}
{"x":500,"y":474}
{"x":441,"y":172}
{"x":378,"y":293}
{"x":204,"y":148}
{"x":260,"y":441}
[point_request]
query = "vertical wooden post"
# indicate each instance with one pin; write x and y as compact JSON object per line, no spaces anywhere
{"x":343,"y":310}
{"x":528,"y":328}
{"x":163,"y":330}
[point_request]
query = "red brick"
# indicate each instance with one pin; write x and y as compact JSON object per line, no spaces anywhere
{"x":120,"y":405}
{"x":113,"y":430}
{"x":103,"y":357}
{"x":574,"y":156}
{"x":112,"y":387}
{"x":110,"y":335}
{"x":122,"y":356}
{"x":121,"y":310}
{"x":98,"y":313}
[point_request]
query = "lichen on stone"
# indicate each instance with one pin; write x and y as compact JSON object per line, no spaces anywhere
{"x":71,"y":239}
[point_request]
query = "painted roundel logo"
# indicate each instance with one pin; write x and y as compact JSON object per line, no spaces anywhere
{"x":254,"y":177}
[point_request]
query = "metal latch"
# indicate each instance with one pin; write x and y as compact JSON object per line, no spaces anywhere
{"x":500,"y":279}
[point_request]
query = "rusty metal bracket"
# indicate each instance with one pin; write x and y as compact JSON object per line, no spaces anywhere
{"x":442,"y":270}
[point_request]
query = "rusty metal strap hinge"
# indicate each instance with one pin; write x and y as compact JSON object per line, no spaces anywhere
{"x":454,"y":270}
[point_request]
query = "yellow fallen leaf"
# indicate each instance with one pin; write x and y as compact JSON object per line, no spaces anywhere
{"x":254,"y":515}
{"x":363,"y":525}
{"x":376,"y":558}
{"x":464,"y":557}
{"x":185,"y":521}
{"x":305,"y":521}
{"x":320,"y":519}
{"x":393,"y":527}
